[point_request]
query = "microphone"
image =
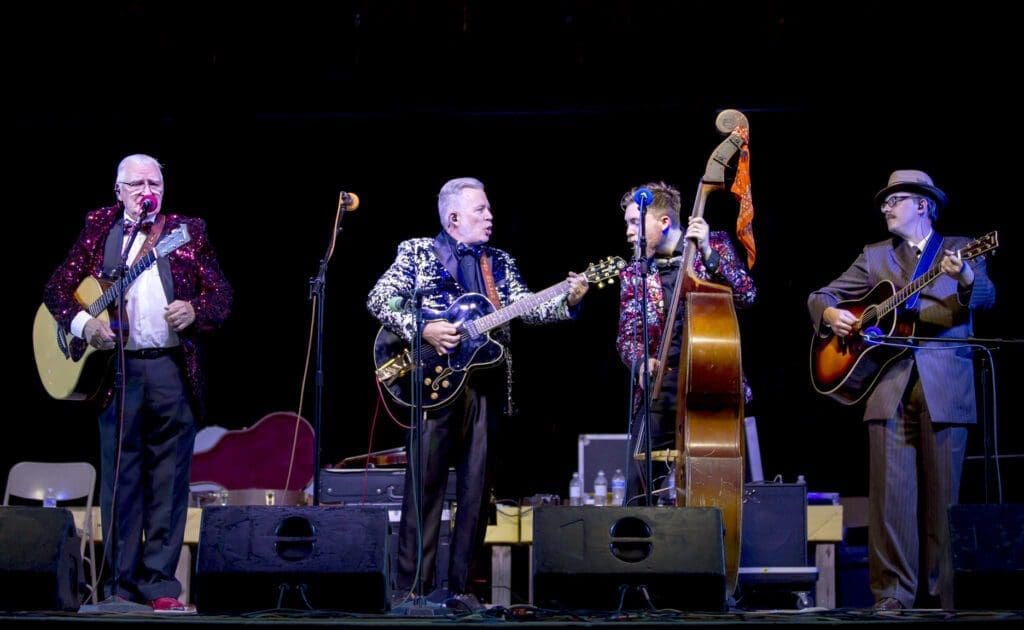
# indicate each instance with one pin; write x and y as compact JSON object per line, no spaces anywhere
{"x":148,"y":203}
{"x":643,"y":197}
{"x":871,"y":335}
{"x":401,"y":302}
{"x":349,"y":200}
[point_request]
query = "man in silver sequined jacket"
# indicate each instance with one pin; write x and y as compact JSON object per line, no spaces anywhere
{"x":459,"y":434}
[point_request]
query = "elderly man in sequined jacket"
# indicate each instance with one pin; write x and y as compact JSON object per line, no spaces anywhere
{"x":168,"y":305}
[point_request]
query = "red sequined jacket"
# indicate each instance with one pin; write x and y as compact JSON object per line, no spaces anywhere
{"x":197,"y":279}
{"x":730,"y":271}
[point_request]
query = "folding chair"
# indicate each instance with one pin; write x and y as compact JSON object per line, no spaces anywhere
{"x":70,"y":482}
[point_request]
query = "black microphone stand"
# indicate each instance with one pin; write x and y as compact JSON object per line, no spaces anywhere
{"x":419,"y":606}
{"x":640,"y":256}
{"x":114,"y":603}
{"x":317,"y":291}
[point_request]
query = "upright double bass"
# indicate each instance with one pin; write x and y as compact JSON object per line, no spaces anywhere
{"x":709,"y":413}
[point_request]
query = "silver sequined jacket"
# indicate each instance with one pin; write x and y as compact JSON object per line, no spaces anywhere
{"x":429,"y":264}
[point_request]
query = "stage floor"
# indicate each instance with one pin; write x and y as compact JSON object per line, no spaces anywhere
{"x":520,"y":616}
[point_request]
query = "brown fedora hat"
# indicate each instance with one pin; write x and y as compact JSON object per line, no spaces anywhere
{"x":913,"y":181}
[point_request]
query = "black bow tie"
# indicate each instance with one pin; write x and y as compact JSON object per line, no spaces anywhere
{"x":129,"y":225}
{"x":461,"y":249}
{"x":666,"y":261}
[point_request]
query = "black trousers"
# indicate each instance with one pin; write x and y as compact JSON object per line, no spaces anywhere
{"x":153,"y":483}
{"x":458,"y":435}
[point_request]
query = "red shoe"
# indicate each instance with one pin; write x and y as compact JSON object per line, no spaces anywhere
{"x":170,"y":605}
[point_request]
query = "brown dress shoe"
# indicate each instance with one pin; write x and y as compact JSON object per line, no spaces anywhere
{"x":888,"y":603}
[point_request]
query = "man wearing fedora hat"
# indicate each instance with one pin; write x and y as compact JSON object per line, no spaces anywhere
{"x":923,"y":403}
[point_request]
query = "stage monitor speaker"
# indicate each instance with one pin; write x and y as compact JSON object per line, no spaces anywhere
{"x":774,"y":530}
{"x":593,"y":557}
{"x":988,"y":555}
{"x":317,"y":558}
{"x":40,"y":559}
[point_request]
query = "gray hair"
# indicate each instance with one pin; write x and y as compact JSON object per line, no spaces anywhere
{"x":136,"y":158}
{"x":451,"y":190}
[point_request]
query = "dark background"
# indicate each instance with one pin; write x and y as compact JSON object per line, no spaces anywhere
{"x":262,"y":115}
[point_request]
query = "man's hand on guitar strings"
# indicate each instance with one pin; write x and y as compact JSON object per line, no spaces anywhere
{"x":442,"y":335}
{"x":98,"y":333}
{"x":840,"y":321}
{"x":578,"y":287}
{"x":955,"y":267}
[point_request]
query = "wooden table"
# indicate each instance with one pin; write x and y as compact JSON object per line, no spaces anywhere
{"x":824,"y":530}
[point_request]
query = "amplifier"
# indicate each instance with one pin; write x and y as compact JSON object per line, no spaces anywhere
{"x":373,"y":485}
{"x":774,"y":532}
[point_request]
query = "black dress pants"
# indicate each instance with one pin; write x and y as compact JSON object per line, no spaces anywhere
{"x":458,"y":435}
{"x":153,"y":483}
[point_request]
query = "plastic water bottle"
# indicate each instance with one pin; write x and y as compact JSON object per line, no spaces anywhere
{"x":575,"y":490}
{"x":50,"y":500}
{"x":600,"y":489}
{"x":618,"y":488}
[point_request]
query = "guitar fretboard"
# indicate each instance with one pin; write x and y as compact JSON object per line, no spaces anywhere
{"x":901,"y":296}
{"x":483,"y":324}
{"x":111,"y":293}
{"x":972,"y":250}
{"x":501,"y":316}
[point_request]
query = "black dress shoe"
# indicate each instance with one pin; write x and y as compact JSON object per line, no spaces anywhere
{"x":400,"y":596}
{"x":888,"y":603}
{"x":464,"y":602}
{"x":438,"y":596}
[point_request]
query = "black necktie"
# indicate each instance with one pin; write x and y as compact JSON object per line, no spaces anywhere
{"x":469,"y":267}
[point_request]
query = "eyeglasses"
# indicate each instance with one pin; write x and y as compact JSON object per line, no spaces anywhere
{"x":894,"y":201}
{"x":140,"y":184}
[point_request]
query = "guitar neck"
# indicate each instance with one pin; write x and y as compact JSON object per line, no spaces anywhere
{"x":111,"y":293}
{"x":517,"y":309}
{"x":904,"y":294}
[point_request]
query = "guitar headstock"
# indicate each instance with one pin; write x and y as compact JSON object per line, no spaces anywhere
{"x":604,"y":271}
{"x":979,"y":246}
{"x":178,"y":237}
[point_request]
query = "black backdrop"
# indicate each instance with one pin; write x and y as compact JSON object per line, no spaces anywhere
{"x":261,"y":115}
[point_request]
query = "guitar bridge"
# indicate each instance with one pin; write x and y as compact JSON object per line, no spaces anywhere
{"x":394,"y":368}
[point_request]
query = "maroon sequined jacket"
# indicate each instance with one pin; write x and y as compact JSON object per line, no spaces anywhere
{"x":731,"y":271}
{"x":194,"y":268}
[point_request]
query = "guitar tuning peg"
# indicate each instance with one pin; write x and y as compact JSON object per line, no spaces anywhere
{"x":600,"y":285}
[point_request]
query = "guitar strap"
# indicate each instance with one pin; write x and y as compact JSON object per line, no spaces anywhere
{"x":492,"y":294}
{"x":488,"y":276}
{"x":154,"y":236}
{"x":924,"y":263}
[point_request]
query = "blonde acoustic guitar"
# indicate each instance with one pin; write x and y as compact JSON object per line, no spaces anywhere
{"x":69,"y":368}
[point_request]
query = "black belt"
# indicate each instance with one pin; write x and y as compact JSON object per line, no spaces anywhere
{"x":151,"y":353}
